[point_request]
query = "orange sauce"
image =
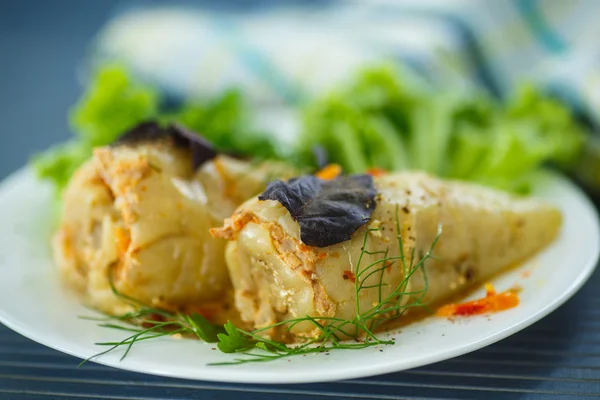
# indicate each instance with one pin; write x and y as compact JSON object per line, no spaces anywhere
{"x":492,"y":302}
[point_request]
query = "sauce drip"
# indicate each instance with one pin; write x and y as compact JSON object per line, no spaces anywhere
{"x":492,"y":302}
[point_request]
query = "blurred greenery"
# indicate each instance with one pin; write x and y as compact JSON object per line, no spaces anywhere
{"x":114,"y":103}
{"x":382,"y":119}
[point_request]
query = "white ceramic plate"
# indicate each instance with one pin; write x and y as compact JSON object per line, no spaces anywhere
{"x":33,"y":303}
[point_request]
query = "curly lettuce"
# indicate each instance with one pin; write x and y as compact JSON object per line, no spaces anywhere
{"x":224,"y":122}
{"x":380,"y":121}
{"x":114,"y":102}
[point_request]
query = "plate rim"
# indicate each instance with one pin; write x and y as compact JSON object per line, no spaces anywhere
{"x":359,"y":371}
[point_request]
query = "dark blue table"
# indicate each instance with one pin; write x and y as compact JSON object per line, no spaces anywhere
{"x":41,"y":44}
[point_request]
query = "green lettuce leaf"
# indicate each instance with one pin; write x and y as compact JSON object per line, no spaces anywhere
{"x":114,"y":102}
{"x":111,"y":104}
{"x":380,"y":120}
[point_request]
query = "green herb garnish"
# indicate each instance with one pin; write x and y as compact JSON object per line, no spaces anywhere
{"x":159,"y":323}
{"x":333,"y":332}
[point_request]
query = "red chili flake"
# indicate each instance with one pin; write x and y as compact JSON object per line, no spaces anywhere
{"x":469,"y":309}
{"x":349,"y":275}
{"x":388,"y":266}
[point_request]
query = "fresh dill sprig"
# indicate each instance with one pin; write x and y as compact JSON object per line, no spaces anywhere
{"x":155,"y":323}
{"x":332,"y":332}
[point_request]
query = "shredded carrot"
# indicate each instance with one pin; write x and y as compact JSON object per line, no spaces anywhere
{"x":122,"y":240}
{"x":492,"y":302}
{"x":304,"y":248}
{"x":329,"y":172}
{"x":375,"y":172}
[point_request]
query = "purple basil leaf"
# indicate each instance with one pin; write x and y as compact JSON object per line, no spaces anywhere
{"x":202,"y":150}
{"x":143,"y":132}
{"x":328,"y":211}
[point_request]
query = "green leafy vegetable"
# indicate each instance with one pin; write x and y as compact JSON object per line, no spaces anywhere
{"x":114,"y":103}
{"x":223,"y":122}
{"x":381,"y":121}
{"x":59,"y":163}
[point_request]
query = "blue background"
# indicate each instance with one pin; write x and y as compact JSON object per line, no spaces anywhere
{"x":42,"y":43}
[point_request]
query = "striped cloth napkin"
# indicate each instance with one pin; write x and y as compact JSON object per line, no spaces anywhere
{"x":280,"y":53}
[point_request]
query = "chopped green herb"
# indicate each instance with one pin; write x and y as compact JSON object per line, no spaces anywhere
{"x":233,"y":341}
{"x":203,"y":328}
